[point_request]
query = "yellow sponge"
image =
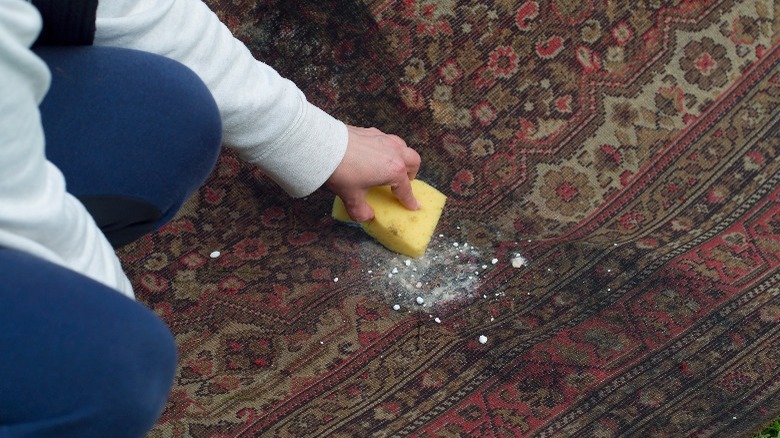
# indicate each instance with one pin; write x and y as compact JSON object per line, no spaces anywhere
{"x":398,"y":229}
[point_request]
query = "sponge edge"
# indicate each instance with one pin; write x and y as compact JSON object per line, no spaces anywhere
{"x":401,"y":230}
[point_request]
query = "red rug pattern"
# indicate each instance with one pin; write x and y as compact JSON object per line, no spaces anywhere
{"x":629,"y":151}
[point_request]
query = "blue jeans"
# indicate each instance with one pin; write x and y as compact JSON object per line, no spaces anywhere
{"x":134,"y":134}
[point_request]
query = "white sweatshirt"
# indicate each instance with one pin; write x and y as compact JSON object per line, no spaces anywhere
{"x":265,"y":118}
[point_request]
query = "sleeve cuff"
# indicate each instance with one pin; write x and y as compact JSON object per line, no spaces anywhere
{"x":301,"y":161}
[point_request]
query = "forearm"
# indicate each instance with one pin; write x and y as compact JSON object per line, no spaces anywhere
{"x":265,"y":117}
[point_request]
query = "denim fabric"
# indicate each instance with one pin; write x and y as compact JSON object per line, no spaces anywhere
{"x":77,"y":359}
{"x":134,"y":133}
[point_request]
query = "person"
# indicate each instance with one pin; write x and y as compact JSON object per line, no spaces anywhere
{"x":111,"y":115}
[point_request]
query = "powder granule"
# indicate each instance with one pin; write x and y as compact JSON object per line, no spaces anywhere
{"x":518,"y":261}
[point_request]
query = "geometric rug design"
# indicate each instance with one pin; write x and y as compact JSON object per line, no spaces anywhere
{"x":607,"y":264}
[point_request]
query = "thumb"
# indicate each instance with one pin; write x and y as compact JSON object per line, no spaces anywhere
{"x":358,"y":209}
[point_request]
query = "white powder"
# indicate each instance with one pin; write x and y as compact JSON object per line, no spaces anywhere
{"x":445,"y":274}
{"x":518,"y":261}
{"x":482,"y":339}
{"x":449,"y":272}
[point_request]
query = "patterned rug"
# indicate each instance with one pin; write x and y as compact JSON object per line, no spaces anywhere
{"x":608,"y":262}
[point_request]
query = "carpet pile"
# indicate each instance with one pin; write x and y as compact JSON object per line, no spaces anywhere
{"x":612,"y":232}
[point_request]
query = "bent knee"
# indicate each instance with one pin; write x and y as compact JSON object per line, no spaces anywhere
{"x":137,"y":390}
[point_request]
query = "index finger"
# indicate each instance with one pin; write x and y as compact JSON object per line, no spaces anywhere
{"x":403,"y":191}
{"x":412,"y":160}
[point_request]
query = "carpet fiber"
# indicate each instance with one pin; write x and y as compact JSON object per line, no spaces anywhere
{"x":612,"y":230}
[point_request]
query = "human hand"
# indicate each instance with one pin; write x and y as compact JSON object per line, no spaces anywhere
{"x":374,"y":158}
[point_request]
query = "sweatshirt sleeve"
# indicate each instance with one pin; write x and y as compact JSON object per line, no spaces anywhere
{"x":265,"y":117}
{"x":37,"y":215}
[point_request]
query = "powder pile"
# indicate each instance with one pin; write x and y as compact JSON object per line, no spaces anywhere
{"x":448,"y":272}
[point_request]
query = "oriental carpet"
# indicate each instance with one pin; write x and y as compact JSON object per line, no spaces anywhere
{"x":612,"y":230}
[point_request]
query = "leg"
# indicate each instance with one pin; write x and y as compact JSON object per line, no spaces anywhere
{"x":78,"y":359}
{"x":135,"y":134}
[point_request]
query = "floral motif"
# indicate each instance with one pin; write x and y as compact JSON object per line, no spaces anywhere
{"x":154,"y":283}
{"x":477,"y":18}
{"x":526,"y":14}
{"x":566,"y":191}
{"x":624,"y":115}
{"x":450,"y":72}
{"x":156,"y":262}
{"x":398,"y":40}
{"x":247,"y":350}
{"x":484,"y":113}
{"x":572,"y":11}
{"x":651,"y":398}
{"x":250,"y":249}
{"x":535,"y":101}
{"x":744,"y":30}
{"x":591,"y":31}
{"x":770,"y":314}
{"x":550,"y":47}
{"x":232,"y":284}
{"x":503,"y":62}
{"x":706,"y":64}
{"x":462,"y":182}
{"x":615,"y":61}
{"x":482,"y":147}
{"x":622,"y":33}
{"x":500,"y":168}
{"x":631,"y":220}
{"x":670,"y":100}
{"x":430,"y":15}
{"x":485,"y":78}
{"x":412,"y":98}
{"x":415,"y":70}
{"x":193,"y":260}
